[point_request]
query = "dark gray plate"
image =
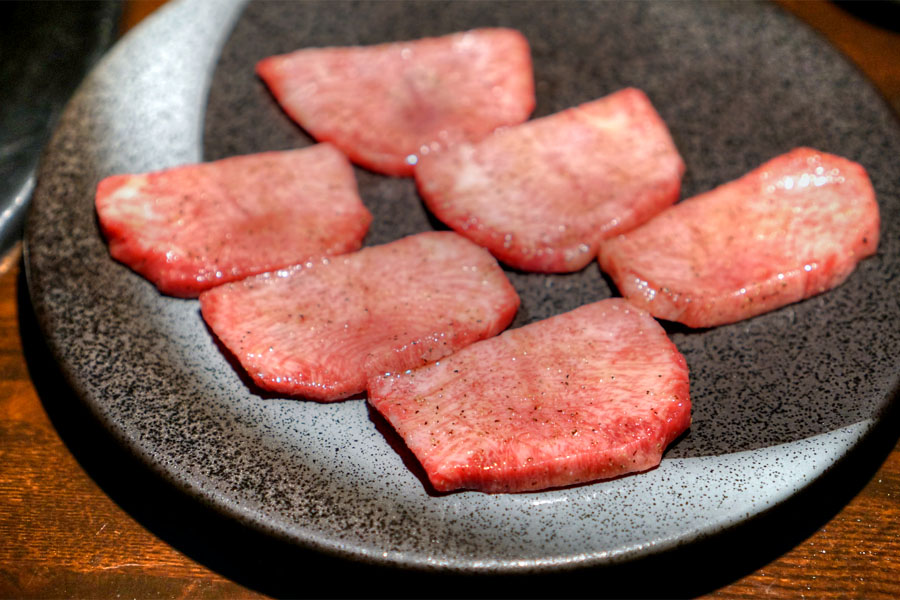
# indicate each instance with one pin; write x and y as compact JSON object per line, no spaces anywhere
{"x":777,"y":399}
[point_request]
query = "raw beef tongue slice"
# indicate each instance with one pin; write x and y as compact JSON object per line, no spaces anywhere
{"x":388,"y":105}
{"x":590,"y":394}
{"x":542,"y":195}
{"x":792,"y":228}
{"x":193,"y":227}
{"x":320,"y":329}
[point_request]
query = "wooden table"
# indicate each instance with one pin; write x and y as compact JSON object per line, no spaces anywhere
{"x":79,"y":518}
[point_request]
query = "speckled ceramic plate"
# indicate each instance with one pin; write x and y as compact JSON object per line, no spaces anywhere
{"x":778,"y":399}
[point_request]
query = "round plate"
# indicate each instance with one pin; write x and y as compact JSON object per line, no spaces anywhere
{"x":778,"y":399}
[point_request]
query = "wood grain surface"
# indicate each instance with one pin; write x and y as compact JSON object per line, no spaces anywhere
{"x":81,"y":518}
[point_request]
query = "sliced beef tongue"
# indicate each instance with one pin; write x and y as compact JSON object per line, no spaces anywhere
{"x":389,"y":104}
{"x":590,"y":394}
{"x":792,"y":228}
{"x":190,"y":228}
{"x":542,"y":195}
{"x":320,"y":329}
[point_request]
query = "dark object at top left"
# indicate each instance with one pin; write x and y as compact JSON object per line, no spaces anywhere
{"x":46,"y":48}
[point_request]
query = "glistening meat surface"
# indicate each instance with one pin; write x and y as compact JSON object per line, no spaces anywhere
{"x":190,"y":228}
{"x":320,"y":329}
{"x":792,"y":228}
{"x":542,"y":195}
{"x":389,"y":104}
{"x":593,"y":393}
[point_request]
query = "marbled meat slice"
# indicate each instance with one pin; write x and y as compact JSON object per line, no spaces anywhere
{"x":319,"y":330}
{"x":792,"y":228}
{"x":590,"y":394}
{"x":193,"y":227}
{"x":542,"y":195}
{"x":387,"y":105}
